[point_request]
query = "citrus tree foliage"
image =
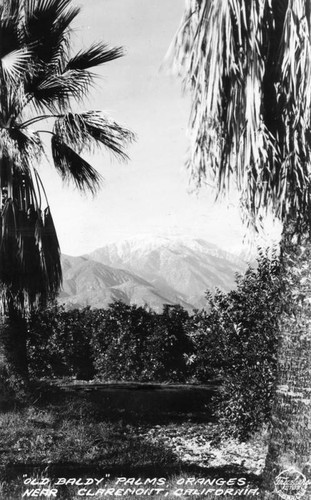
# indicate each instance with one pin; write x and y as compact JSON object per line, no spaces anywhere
{"x":169,"y":345}
{"x":59,"y":343}
{"x":121,"y":342}
{"x":237,"y":341}
{"x":134,"y":343}
{"x":205,"y":360}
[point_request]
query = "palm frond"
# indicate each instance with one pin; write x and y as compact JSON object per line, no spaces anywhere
{"x":85,"y":130}
{"x":74,"y":168}
{"x":98,"y":53}
{"x":50,"y":254}
{"x":20,"y":149}
{"x":29,"y":145}
{"x":15,"y":63}
{"x":55,"y":91}
{"x":53,"y":88}
{"x":30,"y":270}
{"x":247,"y":65}
{"x":71,"y":129}
{"x":10,"y":9}
{"x":9,"y":31}
{"x":45,"y":27}
{"x":108,"y":133}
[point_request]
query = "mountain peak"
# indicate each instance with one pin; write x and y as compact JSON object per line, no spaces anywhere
{"x":151,"y":270}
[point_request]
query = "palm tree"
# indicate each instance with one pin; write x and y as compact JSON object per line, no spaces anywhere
{"x":40,"y":80}
{"x":247,"y":64}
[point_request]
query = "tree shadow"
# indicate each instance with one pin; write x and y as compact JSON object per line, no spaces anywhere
{"x":143,"y":403}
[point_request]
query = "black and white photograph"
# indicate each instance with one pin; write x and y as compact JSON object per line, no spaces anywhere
{"x":155,"y":275}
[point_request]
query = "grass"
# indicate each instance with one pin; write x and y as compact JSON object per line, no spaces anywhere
{"x":74,"y":434}
{"x":45,"y":437}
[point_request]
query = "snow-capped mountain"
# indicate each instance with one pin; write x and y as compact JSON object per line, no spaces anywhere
{"x":153,"y":271}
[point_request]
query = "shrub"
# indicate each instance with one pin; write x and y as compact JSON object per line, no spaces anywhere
{"x":206,"y":358}
{"x":122,"y":342}
{"x":119,"y":341}
{"x":244,"y":325}
{"x":135,"y":343}
{"x":168,"y":345}
{"x":59,"y":343}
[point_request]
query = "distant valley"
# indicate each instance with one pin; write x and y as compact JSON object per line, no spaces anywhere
{"x":152,"y":271}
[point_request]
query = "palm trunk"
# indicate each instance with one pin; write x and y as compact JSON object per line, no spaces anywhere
{"x":290,"y":441}
{"x":13,"y":353}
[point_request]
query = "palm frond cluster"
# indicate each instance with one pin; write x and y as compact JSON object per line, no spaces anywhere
{"x":39,"y":81}
{"x":248,"y":65}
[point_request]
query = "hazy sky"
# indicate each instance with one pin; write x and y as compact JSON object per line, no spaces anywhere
{"x":150,"y":194}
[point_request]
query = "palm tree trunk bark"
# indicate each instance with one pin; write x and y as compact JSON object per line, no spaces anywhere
{"x":14,"y":375}
{"x":290,"y":440}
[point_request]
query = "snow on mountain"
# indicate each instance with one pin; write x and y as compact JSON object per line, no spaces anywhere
{"x":152,"y":270}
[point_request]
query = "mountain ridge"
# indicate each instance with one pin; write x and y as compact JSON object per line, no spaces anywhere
{"x":151,"y":271}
